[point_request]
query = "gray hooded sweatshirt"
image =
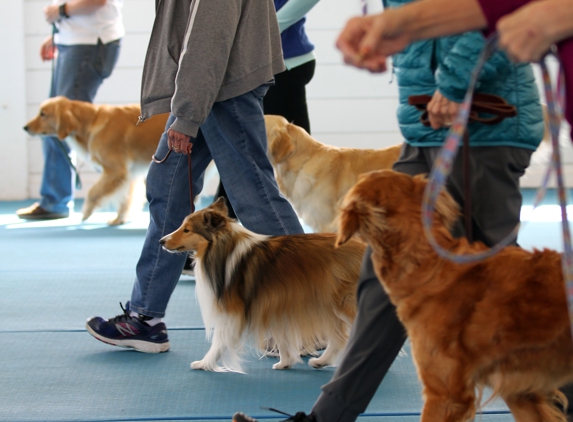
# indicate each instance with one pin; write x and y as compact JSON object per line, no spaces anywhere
{"x":204,"y":51}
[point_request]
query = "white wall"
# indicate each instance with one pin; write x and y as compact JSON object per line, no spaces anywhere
{"x":14,"y":158}
{"x":348,"y":107}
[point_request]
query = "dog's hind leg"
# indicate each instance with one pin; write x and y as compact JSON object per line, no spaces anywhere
{"x":328,"y":357}
{"x":126,"y":204}
{"x":286,"y":357}
{"x":534,"y":407}
{"x":107,"y":186}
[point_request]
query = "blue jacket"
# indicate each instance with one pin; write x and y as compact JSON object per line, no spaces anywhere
{"x":294,"y":40}
{"x":446,"y":64}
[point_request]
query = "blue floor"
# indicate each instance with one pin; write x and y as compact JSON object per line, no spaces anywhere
{"x":53,"y":275}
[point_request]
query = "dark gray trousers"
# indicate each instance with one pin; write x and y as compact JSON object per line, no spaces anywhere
{"x":377,"y":335}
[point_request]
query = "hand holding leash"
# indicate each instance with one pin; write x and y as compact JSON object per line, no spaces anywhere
{"x":179,"y":142}
{"x":441,"y":111}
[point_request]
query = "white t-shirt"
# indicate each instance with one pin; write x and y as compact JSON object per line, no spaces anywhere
{"x":106,"y":24}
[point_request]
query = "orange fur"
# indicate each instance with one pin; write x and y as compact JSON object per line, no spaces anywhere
{"x":313,"y":176}
{"x":501,"y":322}
{"x":112,"y":141}
{"x":297,"y":290}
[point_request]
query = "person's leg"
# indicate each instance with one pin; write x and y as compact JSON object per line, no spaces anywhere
{"x":287,"y":97}
{"x":376,"y":336}
{"x":375,"y":340}
{"x":79,"y":72}
{"x":495,"y":195}
{"x":236,"y":136}
{"x":158,"y":271}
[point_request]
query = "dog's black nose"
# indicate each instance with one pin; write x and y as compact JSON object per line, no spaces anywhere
{"x":26,"y":128}
{"x":162,"y":241}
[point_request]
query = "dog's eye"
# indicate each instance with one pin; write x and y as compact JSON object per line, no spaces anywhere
{"x":42,"y":114}
{"x":186,"y":230}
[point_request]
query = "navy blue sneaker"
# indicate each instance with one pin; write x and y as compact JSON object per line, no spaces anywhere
{"x":127,"y":331}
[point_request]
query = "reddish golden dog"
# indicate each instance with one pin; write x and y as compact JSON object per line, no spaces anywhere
{"x":107,"y":136}
{"x":313,"y":176}
{"x":298,"y":290}
{"x":501,"y":322}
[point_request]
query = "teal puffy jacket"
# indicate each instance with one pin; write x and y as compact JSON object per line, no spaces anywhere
{"x":446,"y":64}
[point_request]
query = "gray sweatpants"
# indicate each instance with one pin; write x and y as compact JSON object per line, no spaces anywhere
{"x":377,"y":335}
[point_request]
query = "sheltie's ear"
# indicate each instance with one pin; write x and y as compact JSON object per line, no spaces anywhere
{"x":213,"y":221}
{"x":220,"y":206}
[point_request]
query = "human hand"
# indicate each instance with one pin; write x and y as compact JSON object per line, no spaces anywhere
{"x":525,"y":33}
{"x":441,"y":111}
{"x":179,"y":142}
{"x":48,"y":50}
{"x":367,"y":41}
{"x":52,"y":13}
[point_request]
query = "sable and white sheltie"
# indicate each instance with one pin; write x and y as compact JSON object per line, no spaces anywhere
{"x":293,"y":291}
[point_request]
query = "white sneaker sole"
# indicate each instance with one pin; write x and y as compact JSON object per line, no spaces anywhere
{"x":139,"y":345}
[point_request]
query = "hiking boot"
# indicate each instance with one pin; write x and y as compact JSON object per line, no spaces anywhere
{"x":298,"y":417}
{"x":36,"y":212}
{"x":131,"y":332}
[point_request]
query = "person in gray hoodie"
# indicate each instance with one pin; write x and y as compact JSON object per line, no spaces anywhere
{"x":209,"y":63}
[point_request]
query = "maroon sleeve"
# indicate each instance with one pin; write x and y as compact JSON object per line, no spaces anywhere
{"x":495,"y":9}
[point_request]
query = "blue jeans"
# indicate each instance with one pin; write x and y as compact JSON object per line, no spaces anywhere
{"x":79,"y":72}
{"x":234,"y":136}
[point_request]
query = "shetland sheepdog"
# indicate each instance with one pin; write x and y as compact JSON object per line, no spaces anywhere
{"x":293,"y":291}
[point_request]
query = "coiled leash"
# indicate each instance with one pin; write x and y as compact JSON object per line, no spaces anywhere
{"x":443,"y":165}
{"x":155,"y":160}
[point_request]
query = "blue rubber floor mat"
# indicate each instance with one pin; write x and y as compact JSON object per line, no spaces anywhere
{"x":70,"y":376}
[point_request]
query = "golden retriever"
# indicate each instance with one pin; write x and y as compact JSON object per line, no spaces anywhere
{"x":501,"y":322}
{"x":110,"y":138}
{"x":313,"y":176}
{"x":298,"y":290}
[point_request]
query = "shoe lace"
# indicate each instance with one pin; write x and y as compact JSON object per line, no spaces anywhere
{"x":121,"y":318}
{"x":297,"y":417}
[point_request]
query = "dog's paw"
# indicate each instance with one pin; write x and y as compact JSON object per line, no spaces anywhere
{"x":281,"y":365}
{"x":198,"y":364}
{"x":316,"y":363}
{"x":118,"y":221}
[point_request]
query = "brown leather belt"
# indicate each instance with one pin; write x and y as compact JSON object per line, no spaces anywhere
{"x":493,"y":105}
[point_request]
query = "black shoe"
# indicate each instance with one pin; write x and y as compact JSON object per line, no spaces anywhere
{"x":36,"y":212}
{"x":189,"y":267}
{"x":298,"y":417}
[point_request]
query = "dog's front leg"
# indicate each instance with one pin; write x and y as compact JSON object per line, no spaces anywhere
{"x":225,"y":347}
{"x":209,"y":362}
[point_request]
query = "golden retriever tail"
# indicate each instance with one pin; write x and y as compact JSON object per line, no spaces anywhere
{"x":539,"y":407}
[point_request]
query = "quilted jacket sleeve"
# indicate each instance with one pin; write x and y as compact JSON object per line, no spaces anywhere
{"x":458,"y":57}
